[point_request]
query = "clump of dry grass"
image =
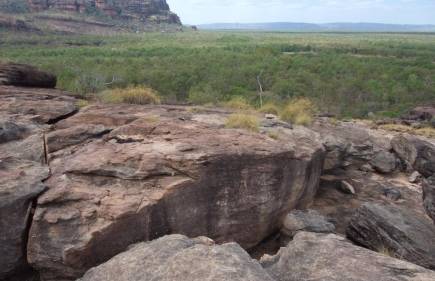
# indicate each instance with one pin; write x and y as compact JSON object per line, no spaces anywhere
{"x":298,"y":112}
{"x":195,"y":109}
{"x":396,"y":128}
{"x":82,"y":103}
{"x":426,"y":132}
{"x":274,"y":135}
{"x":243,"y":121}
{"x":334,"y":121}
{"x":269,"y":108}
{"x":387,"y":252}
{"x":238,"y":104}
{"x":132,"y":94}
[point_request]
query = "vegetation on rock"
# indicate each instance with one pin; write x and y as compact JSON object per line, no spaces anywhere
{"x":243,"y":121}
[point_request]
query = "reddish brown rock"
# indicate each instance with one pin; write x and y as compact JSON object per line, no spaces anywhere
{"x":164,"y":175}
{"x":49,"y":104}
{"x":154,"y":10}
{"x":328,"y":257}
{"x":20,"y":184}
{"x":15,"y":74}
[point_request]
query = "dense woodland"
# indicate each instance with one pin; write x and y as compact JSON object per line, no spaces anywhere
{"x":350,"y":74}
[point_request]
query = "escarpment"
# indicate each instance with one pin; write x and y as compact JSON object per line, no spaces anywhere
{"x":136,"y":10}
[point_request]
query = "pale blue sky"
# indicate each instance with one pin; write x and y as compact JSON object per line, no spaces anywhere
{"x":310,"y":11}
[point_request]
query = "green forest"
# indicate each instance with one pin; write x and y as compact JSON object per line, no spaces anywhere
{"x":349,"y":74}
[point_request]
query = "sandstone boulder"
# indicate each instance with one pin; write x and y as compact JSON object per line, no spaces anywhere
{"x":424,"y":112}
{"x":176,"y":257}
{"x":384,"y":162}
{"x":429,"y":196}
{"x":327,"y":257}
{"x":164,"y":175}
{"x":15,"y":74}
{"x":415,"y":152}
{"x":20,"y":184}
{"x":398,"y":230}
{"x":299,"y":221}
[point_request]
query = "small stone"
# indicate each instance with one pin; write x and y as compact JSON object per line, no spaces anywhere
{"x":365,"y":168}
{"x":391,"y":193}
{"x":415,"y":177}
{"x":346,"y":187}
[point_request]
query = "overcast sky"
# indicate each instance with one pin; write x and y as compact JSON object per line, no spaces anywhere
{"x":310,"y":11}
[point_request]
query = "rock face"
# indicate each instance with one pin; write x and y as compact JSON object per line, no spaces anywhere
{"x":25,"y":75}
{"x":299,"y":221}
{"x":424,"y":112}
{"x":429,"y":196}
{"x":384,"y":162}
{"x":317,"y":257}
{"x":163,"y":175}
{"x":20,"y":184}
{"x":154,"y":10}
{"x":176,"y":257}
{"x":420,"y":155}
{"x":395,"y":229}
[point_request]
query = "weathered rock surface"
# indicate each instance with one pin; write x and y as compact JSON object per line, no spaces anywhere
{"x":20,"y":184}
{"x":424,"y":112}
{"x":155,"y":10}
{"x":328,"y":257}
{"x":164,"y":175}
{"x":176,"y":257}
{"x":384,"y":162}
{"x":405,"y":233}
{"x":415,"y":152}
{"x":298,"y":221}
{"x":48,"y":104}
{"x":429,"y":196}
{"x":15,"y":74}
{"x":60,"y":139}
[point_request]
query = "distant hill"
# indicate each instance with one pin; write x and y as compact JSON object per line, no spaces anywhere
{"x":337,"y":26}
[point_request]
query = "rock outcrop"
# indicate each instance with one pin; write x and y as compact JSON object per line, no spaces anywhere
{"x":153,"y":10}
{"x":176,"y":257}
{"x":163,"y":174}
{"x":15,"y":74}
{"x":328,"y":257}
{"x":20,"y":184}
{"x":394,"y":229}
{"x":418,"y":154}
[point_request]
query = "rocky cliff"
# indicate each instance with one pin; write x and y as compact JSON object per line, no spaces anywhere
{"x":137,"y":10}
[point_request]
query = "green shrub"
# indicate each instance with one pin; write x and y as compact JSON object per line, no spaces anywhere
{"x":243,"y":121}
{"x":298,"y":112}
{"x":132,"y":94}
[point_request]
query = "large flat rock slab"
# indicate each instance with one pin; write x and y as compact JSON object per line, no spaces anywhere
{"x":49,"y":104}
{"x":20,"y":184}
{"x":165,"y":174}
{"x":176,"y":257}
{"x":403,"y":233}
{"x":328,"y":257}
